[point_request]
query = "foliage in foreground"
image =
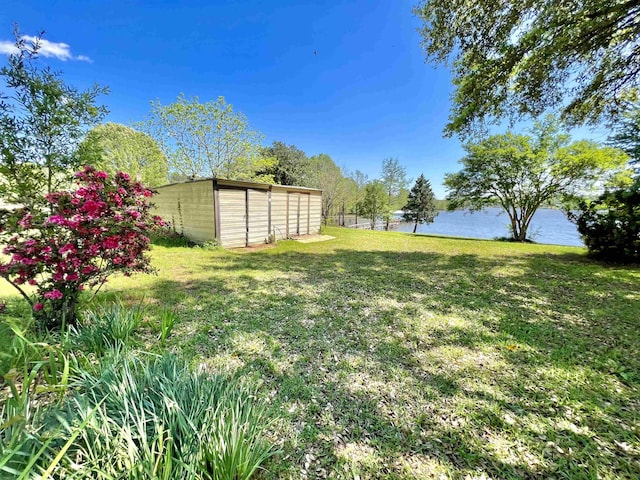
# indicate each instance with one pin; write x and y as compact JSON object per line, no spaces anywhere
{"x":610,"y":225}
{"x":159,"y":419}
{"x":135,"y":418}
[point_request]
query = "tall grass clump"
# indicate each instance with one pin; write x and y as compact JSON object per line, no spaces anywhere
{"x":168,"y":319}
{"x":158,"y":419}
{"x":107,"y":327}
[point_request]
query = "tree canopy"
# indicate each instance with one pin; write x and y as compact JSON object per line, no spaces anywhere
{"x":206,"y":139}
{"x":394,"y":179}
{"x":323,"y":173}
{"x":421,"y":204}
{"x":520,"y":172}
{"x":375,"y":203}
{"x":359,"y":181}
{"x":516,"y":59}
{"x":626,"y":134}
{"x":42,"y":121}
{"x":117,"y":148}
{"x":290,"y":165}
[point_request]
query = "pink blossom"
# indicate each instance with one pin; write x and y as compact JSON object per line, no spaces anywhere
{"x":72,"y":277}
{"x":54,"y":294}
{"x":37,"y":307}
{"x":69,"y":247}
{"x":102,"y":175}
{"x":56,"y":219}
{"x":92,"y":207}
{"x":111,"y":243}
{"x":25,"y":222}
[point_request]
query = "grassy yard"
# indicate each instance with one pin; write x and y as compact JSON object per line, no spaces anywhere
{"x":389,"y":355}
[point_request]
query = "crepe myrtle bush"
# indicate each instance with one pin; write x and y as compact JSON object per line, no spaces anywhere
{"x":76,"y":241}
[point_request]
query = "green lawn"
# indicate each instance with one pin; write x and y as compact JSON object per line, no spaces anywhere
{"x":389,"y":355}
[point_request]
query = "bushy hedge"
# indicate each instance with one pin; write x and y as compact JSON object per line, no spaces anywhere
{"x":610,"y":225}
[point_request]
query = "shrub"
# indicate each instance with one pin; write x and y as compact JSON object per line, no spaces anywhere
{"x":84,"y":236}
{"x":610,"y":225}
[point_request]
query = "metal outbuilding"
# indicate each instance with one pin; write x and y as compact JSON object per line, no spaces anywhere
{"x":239,"y":214}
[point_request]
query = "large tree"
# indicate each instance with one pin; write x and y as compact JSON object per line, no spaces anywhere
{"x":117,"y":148}
{"x":626,"y":134}
{"x":290,"y":164}
{"x":394,"y":179}
{"x":359,"y":182}
{"x":421,"y":204}
{"x":42,"y":121}
{"x":520,"y":173}
{"x":323,"y":173}
{"x":521,"y":58}
{"x":206,"y":139}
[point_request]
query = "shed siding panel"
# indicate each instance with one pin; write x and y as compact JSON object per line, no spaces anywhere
{"x":315,"y":213}
{"x":233,"y":219}
{"x":279,"y":213}
{"x":189,"y":208}
{"x":258,"y":216}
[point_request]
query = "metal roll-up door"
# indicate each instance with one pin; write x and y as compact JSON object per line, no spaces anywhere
{"x":232,"y":208}
{"x":293,"y":206}
{"x":304,"y":214}
{"x":315,"y":213}
{"x":258,"y":216}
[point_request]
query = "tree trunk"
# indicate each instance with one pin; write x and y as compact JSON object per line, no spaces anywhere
{"x":415,"y":227}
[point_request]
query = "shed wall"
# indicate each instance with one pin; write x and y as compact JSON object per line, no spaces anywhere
{"x":189,"y":208}
{"x":246,"y":215}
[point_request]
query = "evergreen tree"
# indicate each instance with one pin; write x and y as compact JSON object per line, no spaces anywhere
{"x":421,"y":204}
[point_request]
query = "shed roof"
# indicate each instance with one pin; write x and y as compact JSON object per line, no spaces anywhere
{"x":244,"y":184}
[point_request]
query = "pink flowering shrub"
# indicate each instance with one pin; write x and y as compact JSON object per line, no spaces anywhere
{"x":77,"y":242}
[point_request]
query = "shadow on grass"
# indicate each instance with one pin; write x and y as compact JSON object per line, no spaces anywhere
{"x":416,"y":364}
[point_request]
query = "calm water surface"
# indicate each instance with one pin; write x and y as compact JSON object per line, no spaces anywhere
{"x":547,"y":226}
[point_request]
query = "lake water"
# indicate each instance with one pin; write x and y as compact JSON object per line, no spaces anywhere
{"x":547,"y":226}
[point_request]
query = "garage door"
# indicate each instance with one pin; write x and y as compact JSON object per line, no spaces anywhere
{"x":304,"y":214}
{"x":233,"y":219}
{"x":293,"y":204}
{"x":258,"y":216}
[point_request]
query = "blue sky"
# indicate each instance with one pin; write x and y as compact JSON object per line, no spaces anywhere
{"x":366,"y":95}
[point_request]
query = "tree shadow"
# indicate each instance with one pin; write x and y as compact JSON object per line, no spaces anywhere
{"x":518,"y":367}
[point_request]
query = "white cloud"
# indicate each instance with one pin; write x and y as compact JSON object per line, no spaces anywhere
{"x":48,"y":49}
{"x":7,"y":48}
